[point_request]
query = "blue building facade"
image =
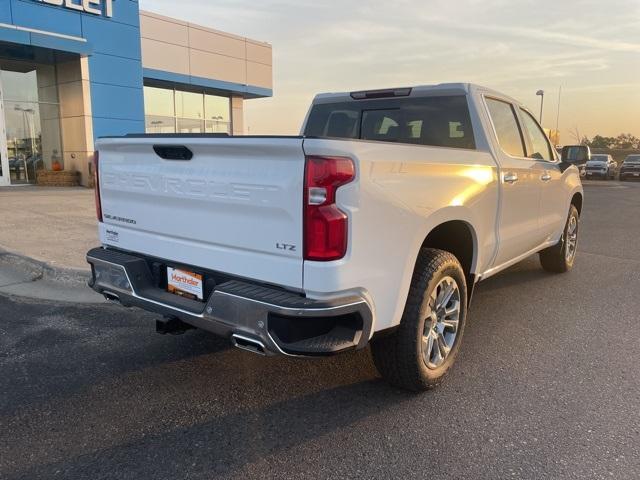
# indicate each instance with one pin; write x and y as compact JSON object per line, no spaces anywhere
{"x":112,"y":45}
{"x":93,"y":64}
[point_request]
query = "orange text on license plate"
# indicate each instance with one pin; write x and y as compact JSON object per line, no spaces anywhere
{"x":185,"y":283}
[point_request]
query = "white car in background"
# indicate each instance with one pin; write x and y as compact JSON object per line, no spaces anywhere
{"x":601,"y":166}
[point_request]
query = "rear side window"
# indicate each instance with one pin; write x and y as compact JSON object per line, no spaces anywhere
{"x":435,"y":121}
{"x":504,"y":121}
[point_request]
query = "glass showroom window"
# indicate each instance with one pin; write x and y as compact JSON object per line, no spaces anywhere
{"x":217,"y":114}
{"x":160,"y":110}
{"x":32,"y":119}
{"x":190,"y":112}
{"x":178,"y":111}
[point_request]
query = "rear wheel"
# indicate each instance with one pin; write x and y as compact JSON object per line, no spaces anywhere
{"x":423,"y":348}
{"x":561,"y":257}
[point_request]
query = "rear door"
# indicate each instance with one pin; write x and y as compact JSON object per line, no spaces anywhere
{"x":520,"y":184}
{"x":234,"y":207}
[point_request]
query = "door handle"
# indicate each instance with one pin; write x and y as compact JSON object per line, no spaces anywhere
{"x":510,"y":177}
{"x":545,"y":177}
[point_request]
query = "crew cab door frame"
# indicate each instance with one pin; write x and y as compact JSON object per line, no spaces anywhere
{"x":520,"y":191}
{"x":552,"y":217}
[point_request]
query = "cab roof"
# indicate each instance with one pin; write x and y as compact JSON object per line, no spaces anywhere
{"x":456,"y":88}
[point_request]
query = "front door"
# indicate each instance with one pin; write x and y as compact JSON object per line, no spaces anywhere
{"x":552,"y":217}
{"x":520,"y":185}
{"x":4,"y":158}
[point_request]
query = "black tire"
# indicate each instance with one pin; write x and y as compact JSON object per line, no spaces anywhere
{"x":555,"y":259}
{"x":399,"y":357}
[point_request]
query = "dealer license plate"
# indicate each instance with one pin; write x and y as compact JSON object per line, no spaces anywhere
{"x":184,"y":283}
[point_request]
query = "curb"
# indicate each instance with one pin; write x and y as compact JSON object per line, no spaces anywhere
{"x":40,"y":270}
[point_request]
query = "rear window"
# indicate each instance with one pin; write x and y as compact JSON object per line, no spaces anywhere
{"x":435,"y":121}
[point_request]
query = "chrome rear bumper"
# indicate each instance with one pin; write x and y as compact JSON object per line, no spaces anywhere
{"x":254,"y":317}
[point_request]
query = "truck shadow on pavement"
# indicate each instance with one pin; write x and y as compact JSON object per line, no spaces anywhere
{"x":97,"y":387}
{"x":100,"y":391}
{"x":59,"y":350}
{"x":225,"y":444}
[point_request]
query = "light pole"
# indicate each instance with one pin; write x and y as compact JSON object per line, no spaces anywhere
{"x":157,"y":125}
{"x":558,"y":116}
{"x":541,"y":94}
{"x":217,"y":119}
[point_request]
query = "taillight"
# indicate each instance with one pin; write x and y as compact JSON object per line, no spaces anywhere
{"x":96,"y":185}
{"x":325,"y":225}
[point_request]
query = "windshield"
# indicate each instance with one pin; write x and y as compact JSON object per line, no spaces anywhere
{"x":598,"y":158}
{"x":632,"y":159}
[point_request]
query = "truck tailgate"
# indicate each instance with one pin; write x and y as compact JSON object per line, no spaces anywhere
{"x":235,"y":207}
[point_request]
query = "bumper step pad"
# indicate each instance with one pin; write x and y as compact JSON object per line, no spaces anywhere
{"x":337,"y":340}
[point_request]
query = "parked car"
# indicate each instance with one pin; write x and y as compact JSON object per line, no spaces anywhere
{"x":630,"y":167}
{"x":24,"y":168}
{"x":372,"y":227}
{"x":601,"y":166}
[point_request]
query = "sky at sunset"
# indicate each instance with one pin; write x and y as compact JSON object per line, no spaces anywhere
{"x":590,"y":48}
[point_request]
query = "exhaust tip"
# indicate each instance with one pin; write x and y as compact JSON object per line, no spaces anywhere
{"x":248,"y":344}
{"x":111,"y":297}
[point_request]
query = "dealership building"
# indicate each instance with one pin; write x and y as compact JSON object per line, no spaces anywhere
{"x":72,"y":71}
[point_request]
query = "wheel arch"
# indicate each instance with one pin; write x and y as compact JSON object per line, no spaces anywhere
{"x":577,"y":200}
{"x":459,"y":238}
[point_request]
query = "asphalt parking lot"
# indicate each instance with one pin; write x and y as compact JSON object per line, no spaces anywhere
{"x":547,"y":386}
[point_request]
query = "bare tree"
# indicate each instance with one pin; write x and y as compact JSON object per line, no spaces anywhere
{"x":577,"y":137}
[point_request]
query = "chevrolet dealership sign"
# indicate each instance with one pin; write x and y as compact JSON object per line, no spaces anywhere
{"x":96,"y":7}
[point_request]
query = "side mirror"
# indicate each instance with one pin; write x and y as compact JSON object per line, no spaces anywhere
{"x":576,"y":154}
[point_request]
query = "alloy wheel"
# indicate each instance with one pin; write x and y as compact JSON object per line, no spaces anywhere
{"x":572,"y":238}
{"x":441,"y":323}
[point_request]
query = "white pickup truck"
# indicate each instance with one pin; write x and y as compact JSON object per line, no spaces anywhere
{"x":371,"y":227}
